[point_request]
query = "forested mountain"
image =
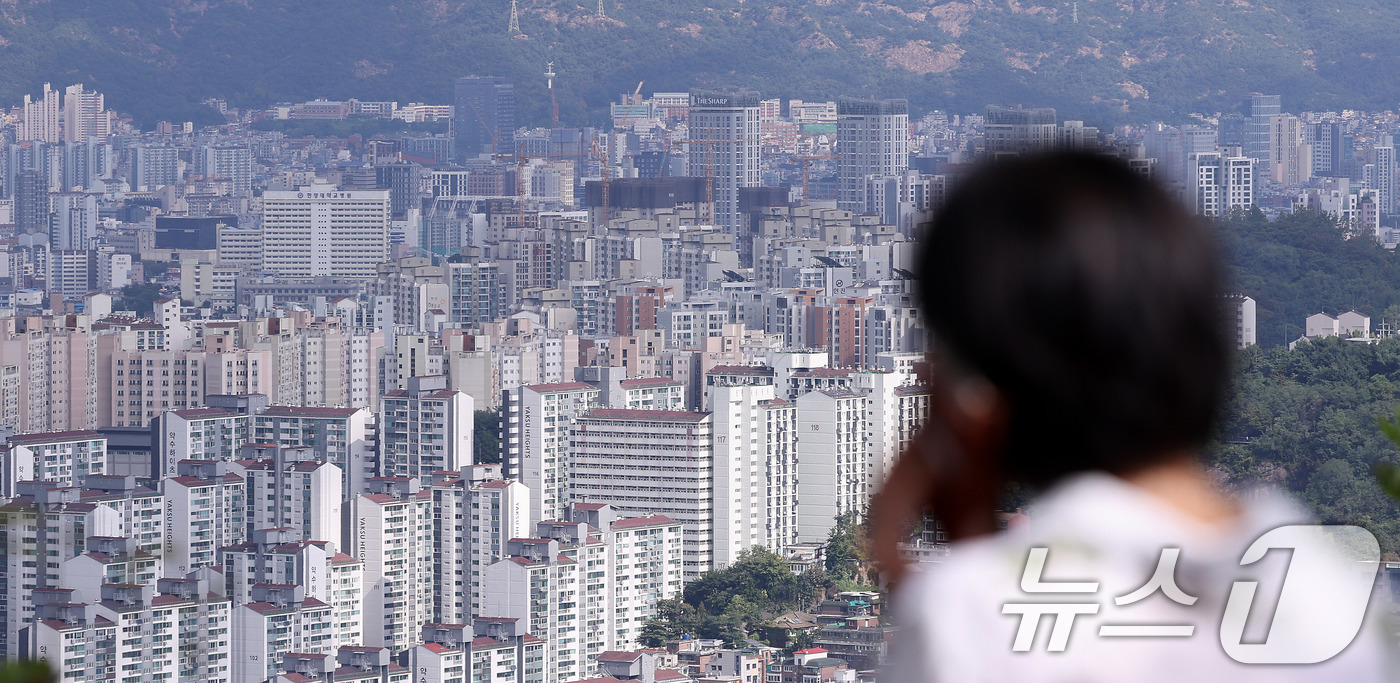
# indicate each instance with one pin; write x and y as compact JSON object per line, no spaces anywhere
{"x":1306,"y":419}
{"x":1101,"y":60}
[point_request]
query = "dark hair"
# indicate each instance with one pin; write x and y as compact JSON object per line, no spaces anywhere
{"x":1092,"y":300}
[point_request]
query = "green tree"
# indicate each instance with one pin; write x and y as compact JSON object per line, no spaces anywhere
{"x":486,"y":437}
{"x":138,"y":297}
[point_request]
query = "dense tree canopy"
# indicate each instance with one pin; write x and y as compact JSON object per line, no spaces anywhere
{"x":1306,"y":420}
{"x":735,"y":602}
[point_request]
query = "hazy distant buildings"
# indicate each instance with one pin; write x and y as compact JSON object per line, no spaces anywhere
{"x":1219,"y":183}
{"x":154,"y":167}
{"x":1290,"y":155}
{"x":1258,"y":142}
{"x":724,"y":131}
{"x":1331,"y":148}
{"x":1379,"y":175}
{"x":41,"y":118}
{"x":322,"y":231}
{"x":85,"y":115}
{"x":234,"y":164}
{"x":483,"y":117}
{"x":872,"y":139}
{"x":1015,"y":129}
{"x":31,"y":197}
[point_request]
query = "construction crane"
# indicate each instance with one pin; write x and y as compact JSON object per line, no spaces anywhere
{"x":553,"y":104}
{"x":605,"y":164}
{"x":637,"y":94}
{"x":520,"y":163}
{"x":806,"y":172}
{"x":709,"y":145}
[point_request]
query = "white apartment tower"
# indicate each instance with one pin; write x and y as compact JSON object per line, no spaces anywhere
{"x":322,"y":231}
{"x":1380,"y":174}
{"x":154,"y":167}
{"x":289,"y":490}
{"x":426,"y":428}
{"x":205,"y":508}
{"x":341,"y":436}
{"x":41,"y":118}
{"x":724,"y":131}
{"x":29,"y":521}
{"x":476,"y":512}
{"x":198,"y":434}
{"x":646,"y":562}
{"x":275,"y":556}
{"x":644,"y":462}
{"x":281,"y":619}
{"x":1219,"y":182}
{"x":176,"y":630}
{"x":392,"y":533}
{"x":755,"y":469}
{"x":872,"y":139}
{"x":60,"y":458}
{"x":536,"y":425}
{"x":1290,"y":154}
{"x":832,"y":456}
{"x":85,"y":115}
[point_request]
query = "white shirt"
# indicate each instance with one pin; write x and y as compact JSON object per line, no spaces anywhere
{"x":1097,"y":528}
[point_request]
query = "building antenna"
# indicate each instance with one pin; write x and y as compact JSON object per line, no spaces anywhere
{"x":514,"y":19}
{"x":553,"y":103}
{"x":600,"y":9}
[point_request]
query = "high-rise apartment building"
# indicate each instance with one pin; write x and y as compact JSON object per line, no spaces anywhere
{"x":74,"y":222}
{"x":322,"y":231}
{"x":392,"y":533}
{"x":274,"y":556}
{"x":61,"y":458}
{"x":45,"y":522}
{"x":475,"y":290}
{"x":31,"y":196}
{"x":197,"y":434}
{"x":234,"y":164}
{"x":483,"y":117}
{"x":536,"y":424}
{"x":1290,"y":154}
{"x":755,"y":469}
{"x":153,"y":167}
{"x":175,"y":630}
{"x":1331,"y":148}
{"x":85,"y":115}
{"x":41,"y":118}
{"x":1015,"y":129}
{"x":1262,"y":110}
{"x":725,"y":131}
{"x":872,"y":139}
{"x":206,"y":505}
{"x":344,"y":437}
{"x":643,"y":462}
{"x":426,"y":428}
{"x":293,"y":490}
{"x":1220,"y":182}
{"x":1379,"y":175}
{"x":280,"y":620}
{"x":832,"y":461}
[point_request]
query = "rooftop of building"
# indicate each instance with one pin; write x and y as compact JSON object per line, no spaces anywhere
{"x":55,"y":437}
{"x":646,"y":415}
{"x":308,"y":411}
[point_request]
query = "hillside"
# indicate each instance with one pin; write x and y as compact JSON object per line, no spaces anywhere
{"x":1122,"y":60}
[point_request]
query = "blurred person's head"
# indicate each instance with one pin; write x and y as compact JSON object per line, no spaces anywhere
{"x":1076,"y":312}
